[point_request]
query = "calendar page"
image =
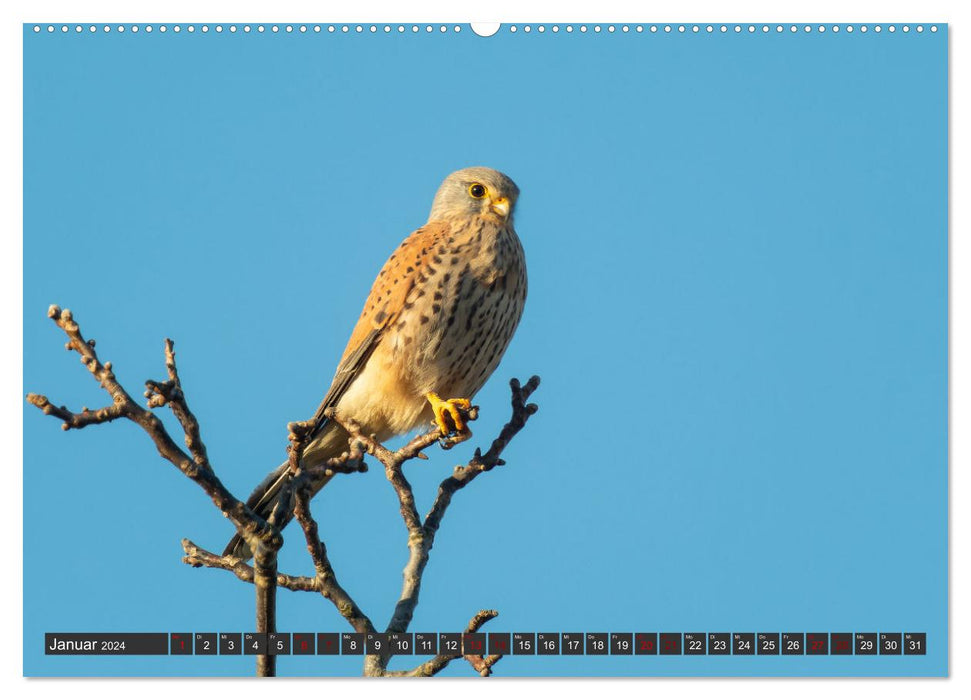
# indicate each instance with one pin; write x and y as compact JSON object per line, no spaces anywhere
{"x":524,"y":350}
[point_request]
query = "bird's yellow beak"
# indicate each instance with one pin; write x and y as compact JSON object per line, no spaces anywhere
{"x":501,"y":207}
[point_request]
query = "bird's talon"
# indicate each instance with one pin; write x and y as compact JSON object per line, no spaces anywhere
{"x":447,"y":442}
{"x":452,"y":416}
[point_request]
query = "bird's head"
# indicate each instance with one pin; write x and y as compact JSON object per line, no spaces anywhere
{"x":472,"y":192}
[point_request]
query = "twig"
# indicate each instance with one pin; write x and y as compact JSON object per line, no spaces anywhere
{"x":170,"y":392}
{"x":196,"y":556}
{"x":326,"y":580}
{"x":263,"y":537}
{"x":482,"y":665}
{"x":421,"y":545}
{"x":521,"y":411}
{"x":250,"y":525}
{"x":421,"y":534}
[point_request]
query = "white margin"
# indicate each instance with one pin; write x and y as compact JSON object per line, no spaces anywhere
{"x":16,"y":12}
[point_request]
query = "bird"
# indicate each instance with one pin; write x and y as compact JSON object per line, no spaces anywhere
{"x":438,"y":319}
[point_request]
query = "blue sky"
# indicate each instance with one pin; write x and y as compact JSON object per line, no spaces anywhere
{"x":737,"y":250}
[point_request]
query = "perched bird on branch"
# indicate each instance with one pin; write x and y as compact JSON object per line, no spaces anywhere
{"x":436,"y":323}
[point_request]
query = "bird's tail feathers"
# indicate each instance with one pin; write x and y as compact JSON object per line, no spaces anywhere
{"x":261,"y":501}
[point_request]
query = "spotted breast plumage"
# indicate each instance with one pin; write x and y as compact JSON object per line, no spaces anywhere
{"x":438,"y":319}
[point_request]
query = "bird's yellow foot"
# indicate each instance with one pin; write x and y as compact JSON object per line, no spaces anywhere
{"x":452,"y":416}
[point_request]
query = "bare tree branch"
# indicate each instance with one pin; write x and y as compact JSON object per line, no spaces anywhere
{"x":482,"y":665}
{"x":326,"y":579}
{"x":170,"y":392}
{"x":521,"y":411}
{"x":421,"y":534}
{"x":263,"y":536}
{"x":196,"y":556}
{"x":250,"y":525}
{"x":421,"y":546}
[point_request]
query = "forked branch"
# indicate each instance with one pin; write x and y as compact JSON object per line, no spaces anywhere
{"x":263,"y":536}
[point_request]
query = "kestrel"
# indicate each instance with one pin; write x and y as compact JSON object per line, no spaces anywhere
{"x":438,"y":319}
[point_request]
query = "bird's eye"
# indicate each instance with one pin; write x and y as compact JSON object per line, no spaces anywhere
{"x":478,"y":191}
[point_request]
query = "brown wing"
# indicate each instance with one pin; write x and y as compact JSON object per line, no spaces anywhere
{"x":383,"y":306}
